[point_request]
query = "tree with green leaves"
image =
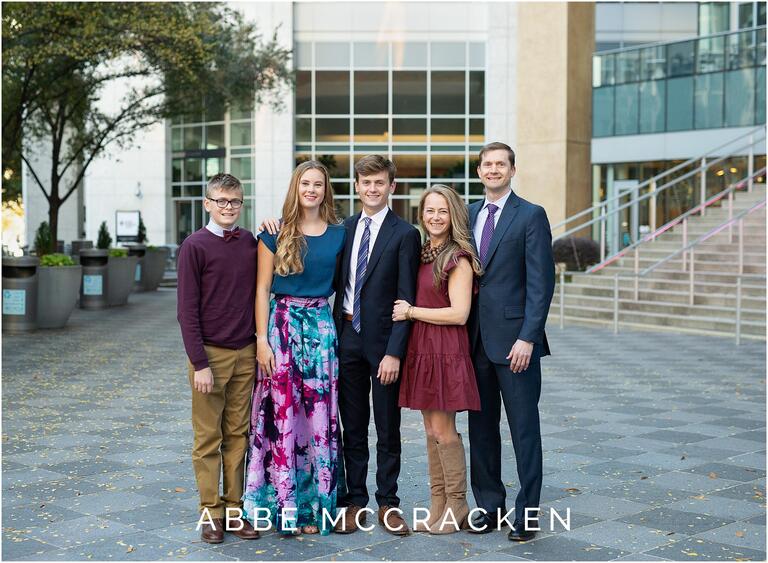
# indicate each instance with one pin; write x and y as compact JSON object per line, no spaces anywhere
{"x":142,"y":235}
{"x":104,"y":240}
{"x":58,"y":57}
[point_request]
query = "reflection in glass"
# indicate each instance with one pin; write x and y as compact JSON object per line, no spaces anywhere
{"x":652,"y":98}
{"x":711,"y":54}
{"x":627,"y":109}
{"x":176,"y":166}
{"x":409,"y":92}
{"x":247,"y":189}
{"x":302,"y":157}
{"x":214,"y":136}
{"x":409,"y":55}
{"x":246,"y":215}
{"x":604,"y":71}
{"x":653,"y":62}
{"x":303,"y":92}
{"x":193,"y":170}
{"x":680,"y":58}
{"x":213,"y":166}
{"x":713,"y":17}
{"x":193,"y":138}
{"x":240,"y":134}
{"x":760,"y":96}
{"x":708,"y":100}
{"x":374,"y":55}
{"x":176,"y":139}
{"x":413,"y":189}
{"x":448,"y":166}
{"x":627,"y":66}
{"x":746,"y":15}
{"x":410,"y":165}
{"x":241,"y":168}
{"x":740,"y":93}
{"x":450,"y":55}
{"x":337,"y":164}
{"x":477,"y":55}
{"x":332,"y":130}
{"x":477,"y":92}
{"x":303,"y":129}
{"x":331,"y":55}
{"x":371,"y":130}
{"x":680,"y":104}
{"x":602,"y":111}
{"x":184,"y":223}
{"x":302,"y":53}
{"x":240,"y":111}
{"x":409,"y":130}
{"x":447,"y":92}
{"x":477,"y":130}
{"x":332,"y":92}
{"x":370,"y":92}
{"x":451,"y":130}
{"x":408,"y":209}
{"x":475,"y":188}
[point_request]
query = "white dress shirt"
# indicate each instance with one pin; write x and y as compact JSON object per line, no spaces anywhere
{"x":376,"y":222}
{"x":217,"y":229}
{"x":483,"y":215}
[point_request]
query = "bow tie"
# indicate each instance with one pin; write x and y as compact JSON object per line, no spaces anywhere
{"x":231,"y":234}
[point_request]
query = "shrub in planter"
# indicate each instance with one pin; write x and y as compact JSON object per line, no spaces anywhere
{"x":121,"y":269}
{"x":104,"y":240}
{"x":578,"y":253}
{"x":43,"y":239}
{"x":57,"y":290}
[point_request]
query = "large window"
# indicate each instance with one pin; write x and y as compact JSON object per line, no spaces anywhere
{"x":421,"y":104}
{"x":706,"y":83}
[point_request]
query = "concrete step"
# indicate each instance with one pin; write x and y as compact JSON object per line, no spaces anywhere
{"x":697,"y":324}
{"x":652,"y":256}
{"x":706,"y":246}
{"x":755,"y":265}
{"x":661,"y":309}
{"x":667,"y":272}
{"x":750,"y":288}
{"x":679,"y":295}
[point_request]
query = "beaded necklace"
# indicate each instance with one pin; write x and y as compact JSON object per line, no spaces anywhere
{"x":429,"y":254}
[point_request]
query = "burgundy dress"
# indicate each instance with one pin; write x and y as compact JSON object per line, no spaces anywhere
{"x":438,"y":371}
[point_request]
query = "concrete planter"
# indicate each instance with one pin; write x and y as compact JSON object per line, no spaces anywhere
{"x":138,"y":250}
{"x":57,"y":292}
{"x":154,"y":268}
{"x":121,"y":279}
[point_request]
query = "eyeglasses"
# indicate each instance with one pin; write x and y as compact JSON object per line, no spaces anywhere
{"x":222,"y":203}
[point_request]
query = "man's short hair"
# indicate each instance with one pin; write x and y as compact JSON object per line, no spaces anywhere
{"x":374,"y":163}
{"x":223,"y":182}
{"x":498,"y":146}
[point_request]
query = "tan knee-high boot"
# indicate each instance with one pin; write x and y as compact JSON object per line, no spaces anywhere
{"x":455,"y":471}
{"x":436,"y":487}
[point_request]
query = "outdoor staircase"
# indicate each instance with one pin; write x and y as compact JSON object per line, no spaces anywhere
{"x":663,"y":296}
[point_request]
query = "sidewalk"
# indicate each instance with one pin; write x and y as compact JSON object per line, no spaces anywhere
{"x":656,"y":443}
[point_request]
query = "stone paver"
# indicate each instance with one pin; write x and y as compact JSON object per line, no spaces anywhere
{"x":654,"y":444}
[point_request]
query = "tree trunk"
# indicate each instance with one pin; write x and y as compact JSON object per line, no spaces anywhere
{"x":53,"y":221}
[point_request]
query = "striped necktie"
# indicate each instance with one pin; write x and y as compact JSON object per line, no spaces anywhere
{"x":362,"y":264}
{"x":488,"y":228}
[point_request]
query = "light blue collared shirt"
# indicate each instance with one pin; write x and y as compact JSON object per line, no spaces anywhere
{"x":217,"y":229}
{"x":483,"y":215}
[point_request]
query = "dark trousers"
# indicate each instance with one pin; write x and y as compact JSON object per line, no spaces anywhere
{"x":357,"y":382}
{"x":520,"y":393}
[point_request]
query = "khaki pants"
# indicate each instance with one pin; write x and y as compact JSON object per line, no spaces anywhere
{"x":220,"y":420}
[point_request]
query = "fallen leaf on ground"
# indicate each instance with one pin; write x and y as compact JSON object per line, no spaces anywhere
{"x":739,"y":534}
{"x":712,"y":475}
{"x":180,"y":490}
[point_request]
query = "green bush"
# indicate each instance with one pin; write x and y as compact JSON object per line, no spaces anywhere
{"x":118,"y":252}
{"x":142,"y":236}
{"x":43,"y":239}
{"x":105,"y":240}
{"x":56,"y":260}
{"x":151,"y":248}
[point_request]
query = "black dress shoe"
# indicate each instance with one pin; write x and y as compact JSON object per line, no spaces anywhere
{"x":483,"y":523}
{"x":519,"y":533}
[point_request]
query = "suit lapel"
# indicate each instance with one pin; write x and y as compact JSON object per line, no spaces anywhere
{"x":474,"y":211}
{"x":351,"y":229}
{"x":505,"y":220}
{"x":385,"y":233}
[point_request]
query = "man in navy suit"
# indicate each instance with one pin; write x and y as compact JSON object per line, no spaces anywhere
{"x":379,"y":265}
{"x":506,"y":328}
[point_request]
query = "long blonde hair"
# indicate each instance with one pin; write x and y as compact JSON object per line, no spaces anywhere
{"x":291,"y":245}
{"x":458,"y":236}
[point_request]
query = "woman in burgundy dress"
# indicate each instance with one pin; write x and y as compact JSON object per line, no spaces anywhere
{"x":437,"y":377}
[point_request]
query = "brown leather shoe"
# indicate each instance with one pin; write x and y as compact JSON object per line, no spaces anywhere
{"x":394,"y":524}
{"x":246,"y":532}
{"x":213,"y":534}
{"x":348,"y":523}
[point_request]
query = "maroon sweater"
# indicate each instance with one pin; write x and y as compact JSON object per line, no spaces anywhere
{"x":216,"y":292}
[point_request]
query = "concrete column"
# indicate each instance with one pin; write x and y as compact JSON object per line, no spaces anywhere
{"x":555,"y":41}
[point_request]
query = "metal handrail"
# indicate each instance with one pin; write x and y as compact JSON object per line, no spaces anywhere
{"x":755,"y":131}
{"x":674,"y":41}
{"x":706,"y":236}
{"x":655,"y":234}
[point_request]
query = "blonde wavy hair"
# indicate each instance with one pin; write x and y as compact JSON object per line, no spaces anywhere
{"x":291,"y":245}
{"x":458,"y":236}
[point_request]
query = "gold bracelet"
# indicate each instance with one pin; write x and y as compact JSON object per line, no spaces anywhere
{"x":409,"y":313}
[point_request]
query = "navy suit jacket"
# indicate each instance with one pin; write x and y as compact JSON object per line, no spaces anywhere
{"x":390,"y":275}
{"x":519,"y":281}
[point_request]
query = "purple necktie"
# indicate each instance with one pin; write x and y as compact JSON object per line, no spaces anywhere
{"x":485,"y":239}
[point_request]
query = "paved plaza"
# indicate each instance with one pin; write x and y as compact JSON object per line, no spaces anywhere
{"x":655,"y":442}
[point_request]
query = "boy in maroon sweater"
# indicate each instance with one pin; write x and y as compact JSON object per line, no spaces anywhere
{"x":216,"y":293}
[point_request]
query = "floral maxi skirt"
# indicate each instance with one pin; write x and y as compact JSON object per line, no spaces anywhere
{"x":293,"y":445}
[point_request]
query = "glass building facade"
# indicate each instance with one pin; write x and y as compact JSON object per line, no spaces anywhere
{"x":704,"y":83}
{"x":421,"y":104}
